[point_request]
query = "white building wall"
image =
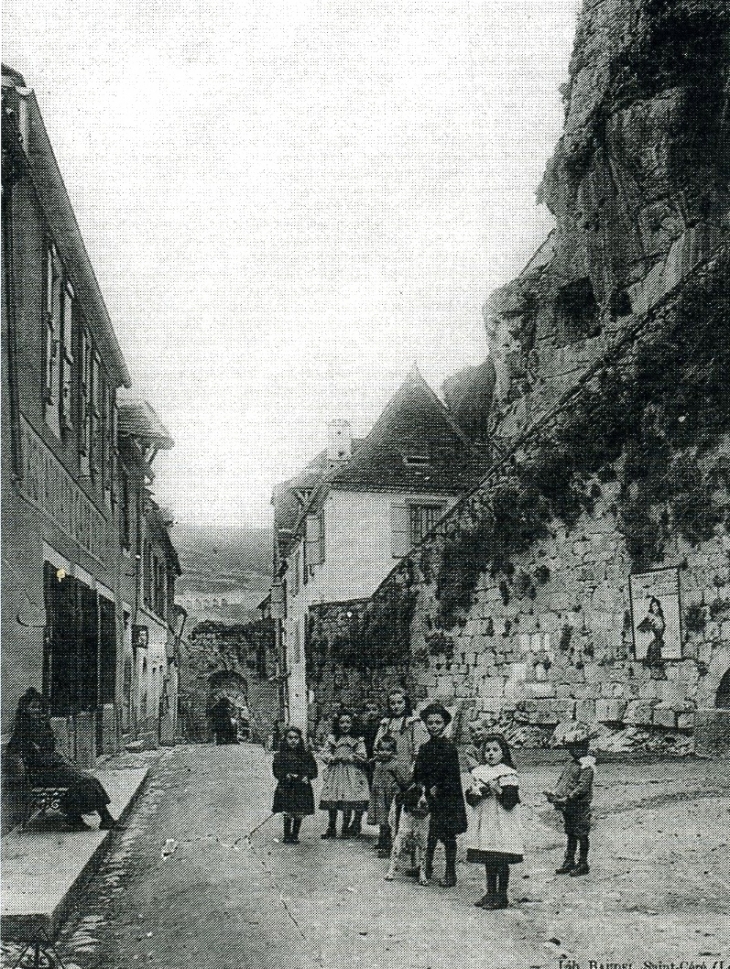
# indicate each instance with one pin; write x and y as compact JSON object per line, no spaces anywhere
{"x":294,"y":628}
{"x":358,"y":556}
{"x":358,"y":542}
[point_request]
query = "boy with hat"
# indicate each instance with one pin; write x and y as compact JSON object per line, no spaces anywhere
{"x":437,"y":771}
{"x":572,"y":797}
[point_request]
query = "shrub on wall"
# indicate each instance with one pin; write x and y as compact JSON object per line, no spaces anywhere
{"x":655,"y":416}
{"x":378,"y":636}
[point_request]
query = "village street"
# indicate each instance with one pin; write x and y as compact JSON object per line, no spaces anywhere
{"x":199,"y":878}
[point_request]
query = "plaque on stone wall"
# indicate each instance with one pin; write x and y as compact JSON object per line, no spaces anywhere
{"x":656,"y":615}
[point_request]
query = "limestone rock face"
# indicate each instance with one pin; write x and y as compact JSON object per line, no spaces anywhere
{"x":639,"y":186}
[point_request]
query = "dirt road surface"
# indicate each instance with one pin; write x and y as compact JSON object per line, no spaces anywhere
{"x":199,"y":879}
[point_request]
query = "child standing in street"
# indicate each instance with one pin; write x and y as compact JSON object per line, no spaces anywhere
{"x":294,"y":768}
{"x":437,"y":769}
{"x":572,"y":797}
{"x":345,"y":786}
{"x":389,"y":777}
{"x":495,"y":826}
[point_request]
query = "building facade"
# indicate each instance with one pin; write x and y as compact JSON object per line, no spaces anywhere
{"x":344,"y":523}
{"x":67,"y":611}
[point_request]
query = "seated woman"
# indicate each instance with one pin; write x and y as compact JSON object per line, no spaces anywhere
{"x":33,"y":743}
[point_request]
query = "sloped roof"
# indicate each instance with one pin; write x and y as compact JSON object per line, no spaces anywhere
{"x":53,"y":197}
{"x":415,"y":445}
{"x":138,"y":419}
{"x":287,"y":506}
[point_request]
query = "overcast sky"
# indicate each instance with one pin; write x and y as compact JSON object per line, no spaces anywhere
{"x":288,"y":203}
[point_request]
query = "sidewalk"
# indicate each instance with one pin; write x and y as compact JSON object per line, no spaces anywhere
{"x":43,"y":869}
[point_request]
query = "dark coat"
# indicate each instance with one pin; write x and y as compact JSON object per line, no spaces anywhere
{"x":45,"y":767}
{"x":437,"y":765}
{"x":294,"y":796}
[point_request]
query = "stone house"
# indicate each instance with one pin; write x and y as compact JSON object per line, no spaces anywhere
{"x":343,"y":523}
{"x":67,"y":612}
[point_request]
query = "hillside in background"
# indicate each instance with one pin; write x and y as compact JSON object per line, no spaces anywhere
{"x":226,"y":571}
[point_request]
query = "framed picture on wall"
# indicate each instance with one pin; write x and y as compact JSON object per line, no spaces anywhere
{"x":656,"y":615}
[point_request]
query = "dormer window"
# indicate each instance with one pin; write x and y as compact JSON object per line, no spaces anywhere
{"x":416,"y":460}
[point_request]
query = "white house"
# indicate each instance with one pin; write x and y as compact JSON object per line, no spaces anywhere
{"x":346,"y":519}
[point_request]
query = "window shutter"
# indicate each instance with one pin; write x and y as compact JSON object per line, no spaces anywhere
{"x":67,"y":359}
{"x":313,"y":540}
{"x":399,"y":523}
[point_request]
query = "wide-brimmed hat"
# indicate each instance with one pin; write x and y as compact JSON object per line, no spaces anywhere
{"x":436,"y":708}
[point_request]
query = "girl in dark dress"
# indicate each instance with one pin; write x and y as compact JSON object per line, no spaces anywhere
{"x":294,"y":768}
{"x":34,"y":743}
{"x":437,"y":769}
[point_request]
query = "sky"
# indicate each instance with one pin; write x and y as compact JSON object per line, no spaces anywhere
{"x":287,"y":204}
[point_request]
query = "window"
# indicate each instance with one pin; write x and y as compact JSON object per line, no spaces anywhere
{"x":295,"y":576}
{"x":96,"y":395}
{"x":314,"y":540}
{"x":66,"y":358}
{"x":114,"y":472}
{"x":409,"y":522}
{"x":85,"y":354}
{"x":53,"y":281}
{"x":124,"y":516}
{"x":107,"y":445}
{"x":422,"y":519}
{"x":416,"y":460}
{"x":147,"y":575}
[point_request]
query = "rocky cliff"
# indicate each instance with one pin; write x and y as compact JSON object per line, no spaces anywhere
{"x":639,"y":186}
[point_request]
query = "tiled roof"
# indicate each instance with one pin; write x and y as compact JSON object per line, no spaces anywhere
{"x":415,"y":445}
{"x":287,"y":506}
{"x":138,"y":419}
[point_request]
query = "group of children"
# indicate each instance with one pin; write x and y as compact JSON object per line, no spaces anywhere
{"x":409,"y":781}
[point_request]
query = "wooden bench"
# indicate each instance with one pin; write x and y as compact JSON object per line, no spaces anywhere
{"x":40,"y":800}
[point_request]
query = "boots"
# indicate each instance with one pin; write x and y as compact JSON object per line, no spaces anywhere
{"x":489,"y":901}
{"x":356,"y":826}
{"x":331,"y":831}
{"x":449,"y":879}
{"x":502,"y":883}
{"x":567,"y":866}
{"x":582,"y":867}
{"x":346,"y":820}
{"x":295,"y":826}
{"x":569,"y":861}
{"x":287,"y":831}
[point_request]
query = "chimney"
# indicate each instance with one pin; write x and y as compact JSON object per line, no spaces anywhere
{"x":339,"y":442}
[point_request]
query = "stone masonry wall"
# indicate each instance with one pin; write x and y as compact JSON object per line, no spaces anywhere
{"x":553,"y":642}
{"x":334,"y":673}
{"x":206,"y":655}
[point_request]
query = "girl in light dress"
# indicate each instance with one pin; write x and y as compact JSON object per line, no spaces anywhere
{"x":345,"y":785}
{"x":495,"y":825}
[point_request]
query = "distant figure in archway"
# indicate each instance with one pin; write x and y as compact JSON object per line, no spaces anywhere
{"x":223,"y":722}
